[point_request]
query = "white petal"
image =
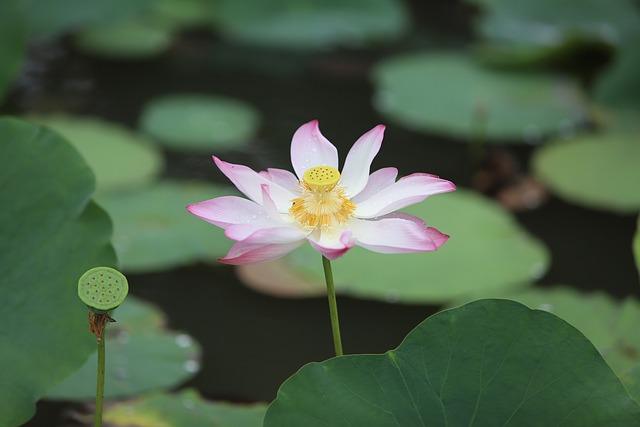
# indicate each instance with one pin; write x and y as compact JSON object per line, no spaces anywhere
{"x":332,"y":244}
{"x":355,"y":172}
{"x":283,"y":178}
{"x":405,"y":192}
{"x":250,"y":183}
{"x":378,"y":181}
{"x":253,"y":253}
{"x":229,"y":210}
{"x":310,"y":148}
{"x":250,"y":233}
{"x":396,"y":233}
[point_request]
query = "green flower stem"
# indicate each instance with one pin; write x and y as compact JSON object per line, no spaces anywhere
{"x":333,"y":306}
{"x":100,"y":382}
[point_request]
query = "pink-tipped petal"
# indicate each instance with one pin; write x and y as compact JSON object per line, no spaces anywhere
{"x":332,"y":245}
{"x":378,"y":181}
{"x":283,"y":178}
{"x":405,"y":192}
{"x":310,"y":148}
{"x":250,"y":183}
{"x":250,"y":233}
{"x":253,"y":253}
{"x":268,"y":203}
{"x":228,"y":210}
{"x":397,"y":233}
{"x":355,"y":172}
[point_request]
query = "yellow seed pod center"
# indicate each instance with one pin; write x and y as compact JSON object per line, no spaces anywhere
{"x":321,"y":176}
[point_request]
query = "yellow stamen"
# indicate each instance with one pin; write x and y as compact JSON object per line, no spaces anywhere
{"x":322,"y":203}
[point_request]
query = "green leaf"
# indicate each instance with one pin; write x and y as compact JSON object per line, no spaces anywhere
{"x":51,"y":233}
{"x":609,"y":324}
{"x":593,"y":170}
{"x":13,"y":44}
{"x":551,"y":23}
{"x":310,"y":24}
{"x":618,"y":86}
{"x":495,"y":251}
{"x":52,"y":17}
{"x":449,"y":94}
{"x":198,"y":122}
{"x":636,"y":245}
{"x":141,"y":356}
{"x":120,"y":158}
{"x":126,"y":39}
{"x":185,"y":409}
{"x":631,"y":380}
{"x":153,"y":231}
{"x":492,"y":362}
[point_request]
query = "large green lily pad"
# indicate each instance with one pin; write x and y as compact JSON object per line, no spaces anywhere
{"x":141,"y":355}
{"x":636,"y":245}
{"x":129,"y":39}
{"x":597,"y":170}
{"x":609,"y":324}
{"x":52,"y":17}
{"x":631,"y":380}
{"x":448,"y":93}
{"x":13,"y":43}
{"x":199,"y":122}
{"x":153,"y":231}
{"x":618,"y":86}
{"x":491,"y":362}
{"x":185,"y":409}
{"x":487,"y":250}
{"x":51,"y":233}
{"x":550,"y":23}
{"x":120,"y":158}
{"x":310,"y":24}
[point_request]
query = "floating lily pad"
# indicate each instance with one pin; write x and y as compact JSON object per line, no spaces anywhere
{"x":593,"y":170}
{"x":199,"y":123}
{"x":51,"y":233}
{"x":450,"y":94}
{"x":185,"y":409}
{"x":618,"y":86}
{"x":180,"y":13}
{"x":130,"y":39}
{"x":312,"y":23}
{"x":549,"y":23}
{"x":487,"y":250}
{"x":491,"y":362}
{"x":120,"y":158}
{"x":631,"y":381}
{"x":141,"y":355}
{"x":13,"y":43}
{"x":52,"y":17}
{"x":153,"y":231}
{"x":609,"y":324}
{"x":636,"y":245}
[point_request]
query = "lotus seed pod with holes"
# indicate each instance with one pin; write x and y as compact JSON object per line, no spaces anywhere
{"x":102,"y":289}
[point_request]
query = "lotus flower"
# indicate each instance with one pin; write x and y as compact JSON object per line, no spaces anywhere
{"x":333,"y":211}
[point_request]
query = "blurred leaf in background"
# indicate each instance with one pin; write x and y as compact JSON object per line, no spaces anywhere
{"x":13,"y":44}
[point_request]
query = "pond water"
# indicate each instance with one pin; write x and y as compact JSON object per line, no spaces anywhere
{"x":252,"y":342}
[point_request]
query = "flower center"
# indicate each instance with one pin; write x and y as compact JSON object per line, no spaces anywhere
{"x":322,"y":203}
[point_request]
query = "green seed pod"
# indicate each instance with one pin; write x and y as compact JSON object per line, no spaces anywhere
{"x":102,"y":289}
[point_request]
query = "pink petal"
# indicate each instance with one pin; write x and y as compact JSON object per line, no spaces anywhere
{"x":228,"y":210}
{"x":252,"y":253}
{"x":310,"y":148}
{"x":332,"y":245}
{"x":397,"y":233}
{"x":269,"y":205}
{"x":283,"y":178}
{"x":250,"y":233}
{"x":407,"y":191}
{"x":378,"y":181}
{"x":250,"y":183}
{"x":355,"y":172}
